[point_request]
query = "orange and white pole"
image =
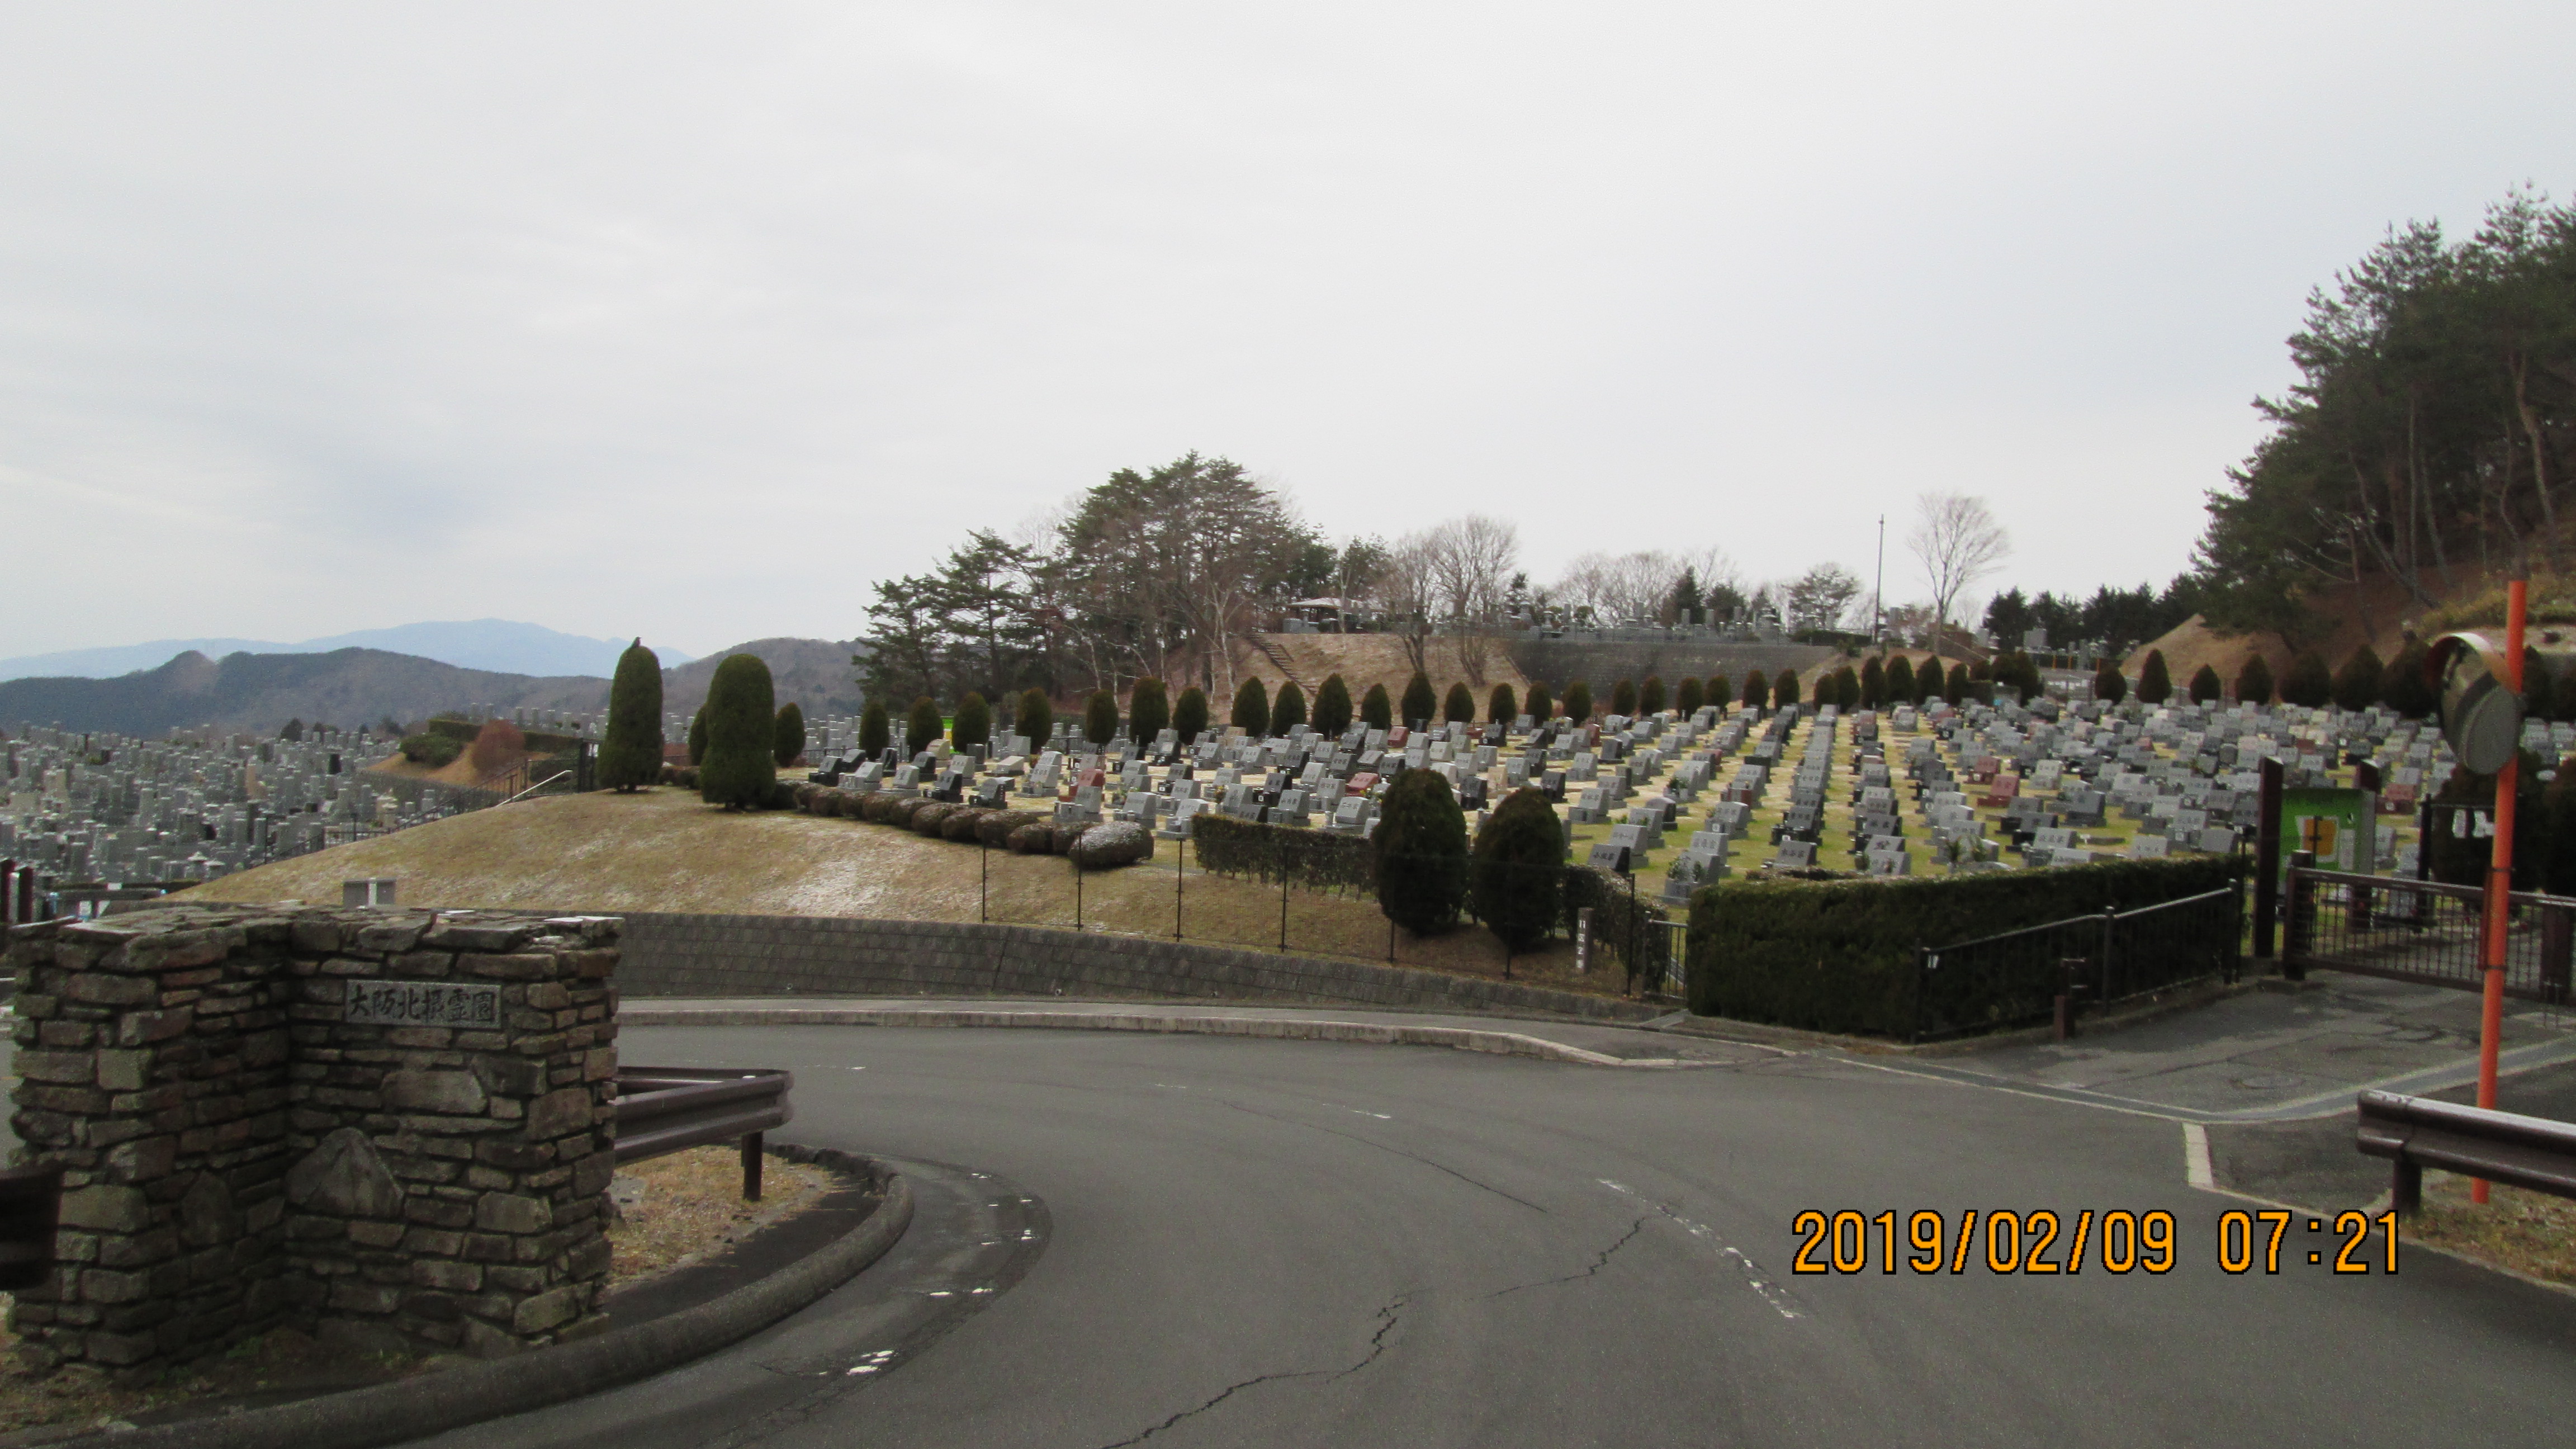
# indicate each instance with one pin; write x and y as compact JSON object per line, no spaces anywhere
{"x":2499,"y":901}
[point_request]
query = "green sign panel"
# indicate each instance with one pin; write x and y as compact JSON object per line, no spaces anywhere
{"x":2340,"y":826}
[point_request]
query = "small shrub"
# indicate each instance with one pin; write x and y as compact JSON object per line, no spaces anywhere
{"x":1332,"y":707}
{"x":1650,"y":696}
{"x":1376,"y":710}
{"x":1421,"y":853}
{"x":787,"y":735}
{"x":1784,"y":690}
{"x":1623,"y":698}
{"x":924,"y":726}
{"x":1578,"y":702}
{"x":698,"y":737}
{"x":2205,"y":688}
{"x":1516,"y":875}
{"x":1900,"y":680}
{"x":1149,"y":710}
{"x":2109,"y":684}
{"x":2357,"y":686}
{"x":1687,"y":698}
{"x":630,"y":751}
{"x":974,"y":722}
{"x":1541,"y":706}
{"x":2402,"y":685}
{"x":431,"y":750}
{"x":2308,"y":683}
{"x":1035,"y":719}
{"x":1873,"y":683}
{"x":1719,"y":691}
{"x":1190,"y":714}
{"x":1757,"y":690}
{"x":875,"y":731}
{"x":1500,"y":707}
{"x":1251,"y":708}
{"x":1287,"y":707}
{"x":742,"y":732}
{"x":1100,"y":717}
{"x":2253,"y":682}
{"x":1459,"y":706}
{"x":1419,"y":701}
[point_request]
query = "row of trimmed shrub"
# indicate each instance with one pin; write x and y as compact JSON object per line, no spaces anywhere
{"x":1840,"y":956}
{"x":1021,"y":832}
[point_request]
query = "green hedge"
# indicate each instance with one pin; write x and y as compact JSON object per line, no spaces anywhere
{"x":432,"y":748}
{"x":540,"y":741}
{"x":1315,"y":859}
{"x":1839,"y":956}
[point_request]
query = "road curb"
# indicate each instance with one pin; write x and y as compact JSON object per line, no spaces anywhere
{"x":1500,"y":1043}
{"x":398,"y":1413}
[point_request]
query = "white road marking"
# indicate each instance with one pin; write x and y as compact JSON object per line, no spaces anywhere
{"x":1771,"y":1293}
{"x":2195,"y":1157}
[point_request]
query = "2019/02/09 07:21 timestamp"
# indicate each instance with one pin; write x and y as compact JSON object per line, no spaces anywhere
{"x":2043,"y":1242}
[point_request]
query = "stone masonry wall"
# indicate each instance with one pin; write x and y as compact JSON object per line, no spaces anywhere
{"x":390,"y":1128}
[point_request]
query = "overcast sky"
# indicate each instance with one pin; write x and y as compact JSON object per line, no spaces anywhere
{"x":693,"y":322}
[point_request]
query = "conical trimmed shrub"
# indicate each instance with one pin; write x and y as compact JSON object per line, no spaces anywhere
{"x":1650,"y":696}
{"x":1332,"y":707}
{"x":1376,"y":710}
{"x":2205,"y":688}
{"x":1287,"y":707}
{"x":924,"y":725}
{"x":740,"y":769}
{"x":1458,"y":706}
{"x":2402,"y":685}
{"x":1900,"y":680}
{"x":1035,"y":719}
{"x":973,"y":724}
{"x":1873,"y":683}
{"x":698,"y":736}
{"x":630,"y":752}
{"x":2109,"y":685}
{"x":2155,"y":685}
{"x":1687,"y":698}
{"x":1190,"y":714}
{"x":1955,"y":689}
{"x":1100,"y":717}
{"x":1421,"y":845}
{"x":787,"y":734}
{"x":1419,"y":701}
{"x":1578,"y":702}
{"x":1720,"y":692}
{"x":1500,"y":707}
{"x":875,"y":730}
{"x":2309,"y":683}
{"x":1757,"y":690}
{"x":1784,"y":690}
{"x":2253,"y":682}
{"x":1623,"y":699}
{"x":1251,"y":708}
{"x":1540,"y":706}
{"x":1519,"y":869}
{"x":1149,"y":709}
{"x":2357,"y":686}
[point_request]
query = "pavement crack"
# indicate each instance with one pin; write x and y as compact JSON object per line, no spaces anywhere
{"x":1386,"y":1316}
{"x":1398,"y":1151}
{"x":1598,"y":1263}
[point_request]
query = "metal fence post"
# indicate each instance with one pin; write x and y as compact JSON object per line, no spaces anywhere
{"x":2557,"y":944}
{"x":1178,"y":846}
{"x":2267,"y":859}
{"x":1922,"y":969}
{"x":2299,"y":920}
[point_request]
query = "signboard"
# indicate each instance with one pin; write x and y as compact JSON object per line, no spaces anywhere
{"x":2339,"y":826}
{"x":422,"y":1003}
{"x":1583,"y":940}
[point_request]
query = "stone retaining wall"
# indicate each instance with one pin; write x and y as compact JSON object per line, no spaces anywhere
{"x":240,"y":1153}
{"x":705,"y":955}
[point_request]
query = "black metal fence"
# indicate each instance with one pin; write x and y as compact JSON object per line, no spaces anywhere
{"x":2014,"y":978}
{"x":2423,"y":931}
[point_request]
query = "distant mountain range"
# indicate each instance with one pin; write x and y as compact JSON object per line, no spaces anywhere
{"x":498,"y":646}
{"x":353,"y":687}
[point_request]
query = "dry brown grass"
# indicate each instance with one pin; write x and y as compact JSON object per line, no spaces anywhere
{"x":661,"y":850}
{"x":692,"y":1206}
{"x":279,"y":1360}
{"x":2528,"y":1232}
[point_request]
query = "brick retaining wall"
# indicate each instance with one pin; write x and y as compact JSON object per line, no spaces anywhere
{"x":700,"y":955}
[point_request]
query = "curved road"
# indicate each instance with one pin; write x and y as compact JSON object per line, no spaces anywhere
{"x":1200,"y":1241}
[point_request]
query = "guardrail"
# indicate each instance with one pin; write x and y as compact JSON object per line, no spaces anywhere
{"x":2417,"y":1132}
{"x":668,"y":1109}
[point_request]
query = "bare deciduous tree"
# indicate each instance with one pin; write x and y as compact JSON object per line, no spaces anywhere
{"x":1470,"y":562}
{"x":1958,"y":542}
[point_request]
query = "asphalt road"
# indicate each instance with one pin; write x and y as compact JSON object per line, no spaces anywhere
{"x":1200,"y":1241}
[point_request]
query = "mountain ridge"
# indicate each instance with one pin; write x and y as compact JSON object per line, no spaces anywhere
{"x":495,"y":646}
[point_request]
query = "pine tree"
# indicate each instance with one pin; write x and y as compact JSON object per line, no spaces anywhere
{"x":2309,"y":683}
{"x":1900,"y":680}
{"x":1784,"y":690}
{"x":1251,"y":708}
{"x":875,"y":730}
{"x":2402,"y":682}
{"x":787,"y":733}
{"x":1288,"y":708}
{"x":1500,"y":707}
{"x":1687,"y":698}
{"x":698,"y":737}
{"x":1623,"y":699}
{"x":2155,"y":686}
{"x":1459,"y":707}
{"x":2205,"y":688}
{"x":2109,"y":685}
{"x":1421,"y":845}
{"x":1719,"y":691}
{"x":1100,"y":717}
{"x":1332,"y":707}
{"x":1190,"y":714}
{"x":1873,"y":683}
{"x":1519,"y":869}
{"x":974,"y":722}
{"x":1376,"y":710}
{"x":1149,"y":710}
{"x":2358,"y":685}
{"x":2253,"y":682}
{"x":924,"y":726}
{"x":1578,"y":702}
{"x":1035,"y":719}
{"x":1540,"y":706}
{"x":630,"y":754}
{"x":740,"y":770}
{"x":1419,"y":701}
{"x":1757,"y":690}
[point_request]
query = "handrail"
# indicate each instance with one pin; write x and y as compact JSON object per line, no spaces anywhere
{"x":2429,"y":887}
{"x":2095,"y":917}
{"x":541,"y":784}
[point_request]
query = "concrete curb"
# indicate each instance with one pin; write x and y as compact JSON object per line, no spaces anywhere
{"x":398,"y":1413}
{"x":1501,"y":1043}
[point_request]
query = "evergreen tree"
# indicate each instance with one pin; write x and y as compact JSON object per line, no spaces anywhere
{"x":1900,"y":680}
{"x":1251,"y":708}
{"x":698,"y":737}
{"x":2253,"y":682}
{"x":1035,"y":719}
{"x":1376,"y":710}
{"x":1719,"y":691}
{"x":1540,"y":705}
{"x":1288,"y":708}
{"x":1190,"y":714}
{"x":1578,"y":702}
{"x":1873,"y":683}
{"x":875,"y":730}
{"x":1650,"y":696}
{"x":2402,"y":683}
{"x":630,"y":754}
{"x":1847,"y":688}
{"x":2309,"y":682}
{"x":2109,"y":685}
{"x":924,"y":726}
{"x":2155,"y":685}
{"x":1784,"y":689}
{"x":1421,"y":846}
{"x":1100,"y":717}
{"x":1955,"y":689}
{"x":1519,"y":870}
{"x":2357,"y":686}
{"x":787,"y":733}
{"x":1757,"y":690}
{"x":1459,"y":707}
{"x":1688,"y":699}
{"x":742,"y":735}
{"x":1419,"y":701}
{"x":1623,"y":699}
{"x":1500,"y":707}
{"x":974,"y":722}
{"x":1332,"y":707}
{"x":2205,"y":688}
{"x":1149,"y":710}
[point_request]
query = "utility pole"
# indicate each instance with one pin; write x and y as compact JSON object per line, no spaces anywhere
{"x":1878,"y":592}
